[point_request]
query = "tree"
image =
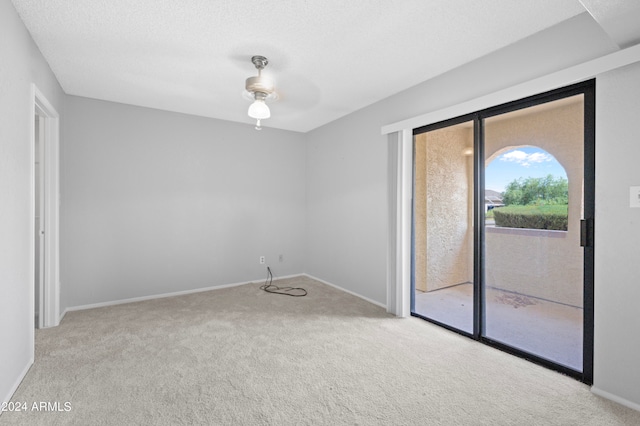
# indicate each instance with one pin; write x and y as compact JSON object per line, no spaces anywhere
{"x":537,"y":191}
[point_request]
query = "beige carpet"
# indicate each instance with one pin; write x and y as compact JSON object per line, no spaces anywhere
{"x":239,"y":356}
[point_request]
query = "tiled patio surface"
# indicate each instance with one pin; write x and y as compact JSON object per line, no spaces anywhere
{"x":547,"y":329}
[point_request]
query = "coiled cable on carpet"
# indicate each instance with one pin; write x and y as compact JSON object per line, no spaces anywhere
{"x":269,"y":287}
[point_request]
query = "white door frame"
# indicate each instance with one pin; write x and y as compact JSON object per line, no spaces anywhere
{"x":50,"y":167}
{"x":40,"y":225}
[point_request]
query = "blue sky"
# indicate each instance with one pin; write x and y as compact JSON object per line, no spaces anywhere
{"x":520,"y":162}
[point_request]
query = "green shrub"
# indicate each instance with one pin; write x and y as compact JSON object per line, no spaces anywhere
{"x":532,"y":217}
{"x":543,"y":190}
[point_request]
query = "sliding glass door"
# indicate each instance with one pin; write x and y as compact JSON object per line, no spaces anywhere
{"x":502,"y":230}
{"x":533,"y":261}
{"x":443,"y":226}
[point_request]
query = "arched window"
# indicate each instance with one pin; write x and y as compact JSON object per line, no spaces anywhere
{"x":526,"y":187}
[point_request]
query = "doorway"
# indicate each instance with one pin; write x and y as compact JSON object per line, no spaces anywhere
{"x":45,"y":211}
{"x":39,"y":221}
{"x":502,"y":227}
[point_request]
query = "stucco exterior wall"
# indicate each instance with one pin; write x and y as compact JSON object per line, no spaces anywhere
{"x":443,"y":208}
{"x":543,"y":264}
{"x":538,"y":263}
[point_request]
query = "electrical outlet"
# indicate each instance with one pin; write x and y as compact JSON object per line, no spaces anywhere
{"x":281,"y":258}
{"x":262,"y":260}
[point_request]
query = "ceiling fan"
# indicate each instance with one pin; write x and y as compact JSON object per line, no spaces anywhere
{"x":259,"y":89}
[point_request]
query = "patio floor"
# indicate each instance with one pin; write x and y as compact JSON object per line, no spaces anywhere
{"x":547,"y":329}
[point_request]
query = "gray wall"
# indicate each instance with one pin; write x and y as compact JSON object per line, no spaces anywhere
{"x":347,"y":206}
{"x":347,"y":159}
{"x":347,"y":192}
{"x":617,"y":243}
{"x":156,"y":202}
{"x":20,"y":64}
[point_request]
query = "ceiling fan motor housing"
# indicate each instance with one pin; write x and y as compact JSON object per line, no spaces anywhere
{"x":259,"y":84}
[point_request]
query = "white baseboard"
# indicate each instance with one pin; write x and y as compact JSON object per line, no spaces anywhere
{"x":615,"y":398}
{"x":277,"y":277}
{"x":162,"y":295}
{"x":199,"y":290}
{"x":13,"y":389}
{"x":382,"y":305}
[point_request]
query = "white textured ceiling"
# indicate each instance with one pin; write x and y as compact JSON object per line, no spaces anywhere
{"x":619,"y":18}
{"x":327,"y":57}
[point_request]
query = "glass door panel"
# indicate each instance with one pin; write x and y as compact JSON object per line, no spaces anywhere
{"x":443,"y":289}
{"x":533,"y":260}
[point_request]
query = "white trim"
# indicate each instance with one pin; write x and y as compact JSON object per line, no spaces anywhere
{"x":392,"y":224}
{"x":31,"y":230}
{"x":403,"y":236}
{"x":200,"y":290}
{"x":406,"y":218}
{"x":41,"y":225}
{"x":284,"y":277}
{"x":565,"y":77}
{"x":51,"y":167}
{"x":163,"y":295}
{"x":382,"y":305}
{"x":12,"y":390}
{"x":615,"y":398}
{"x":400,"y":205}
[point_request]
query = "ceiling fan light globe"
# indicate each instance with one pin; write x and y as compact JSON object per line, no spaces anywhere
{"x":259,"y":110}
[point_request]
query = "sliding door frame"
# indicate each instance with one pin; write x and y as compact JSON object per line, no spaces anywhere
{"x":587,"y":89}
{"x":476,"y":267}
